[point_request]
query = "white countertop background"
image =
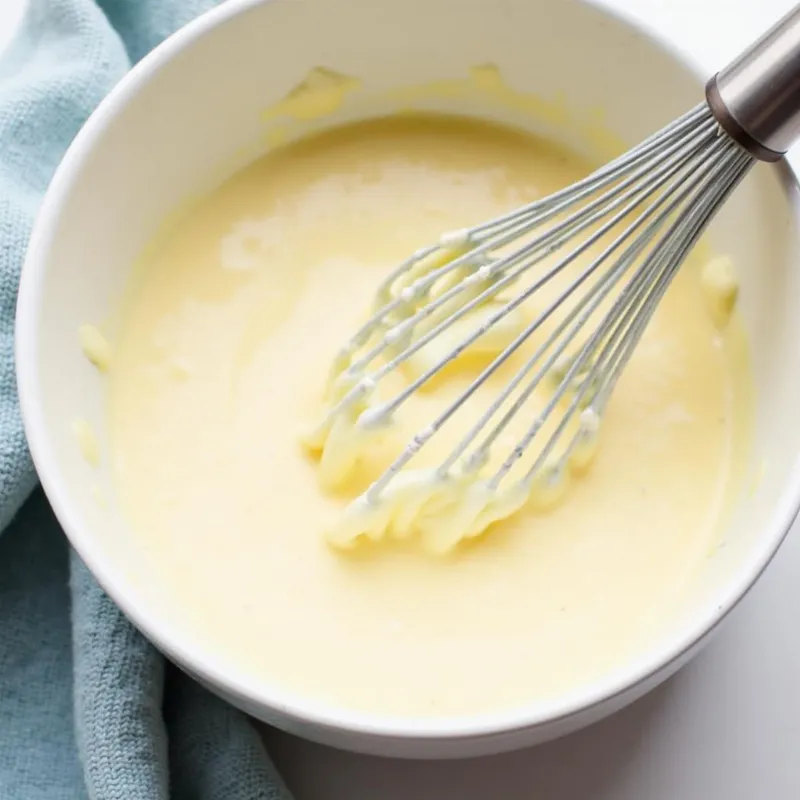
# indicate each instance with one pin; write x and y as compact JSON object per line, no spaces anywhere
{"x":727,"y":727}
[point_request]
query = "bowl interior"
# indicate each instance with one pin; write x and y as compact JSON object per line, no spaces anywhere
{"x":193,"y":112}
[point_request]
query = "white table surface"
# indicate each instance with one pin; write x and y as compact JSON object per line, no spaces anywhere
{"x":727,"y":727}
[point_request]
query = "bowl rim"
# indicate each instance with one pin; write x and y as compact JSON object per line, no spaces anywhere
{"x":200,"y":662}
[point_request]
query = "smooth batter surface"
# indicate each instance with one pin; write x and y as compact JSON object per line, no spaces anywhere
{"x":227,"y":334}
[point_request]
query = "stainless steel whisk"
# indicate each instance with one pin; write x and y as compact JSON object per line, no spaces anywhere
{"x":666,"y":190}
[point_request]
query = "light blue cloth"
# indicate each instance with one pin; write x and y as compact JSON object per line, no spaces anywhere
{"x":88,"y":709}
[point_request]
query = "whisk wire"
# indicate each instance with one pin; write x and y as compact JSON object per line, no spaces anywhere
{"x":577,"y":223}
{"x":624,"y":324}
{"x":588,"y":304}
{"x":524,"y":220}
{"x":663,"y":193}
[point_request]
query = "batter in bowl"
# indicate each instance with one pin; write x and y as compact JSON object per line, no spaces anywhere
{"x":227,"y":333}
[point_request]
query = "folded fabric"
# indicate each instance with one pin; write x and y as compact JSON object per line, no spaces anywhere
{"x":88,"y":709}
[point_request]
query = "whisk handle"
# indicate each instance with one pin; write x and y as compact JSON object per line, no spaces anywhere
{"x":756,"y":98}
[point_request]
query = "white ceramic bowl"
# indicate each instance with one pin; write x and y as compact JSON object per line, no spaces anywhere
{"x":190,"y":112}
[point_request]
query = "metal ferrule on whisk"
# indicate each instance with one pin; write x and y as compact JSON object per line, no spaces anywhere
{"x":756,"y":98}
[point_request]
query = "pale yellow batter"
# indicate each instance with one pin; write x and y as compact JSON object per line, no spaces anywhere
{"x":226,"y":338}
